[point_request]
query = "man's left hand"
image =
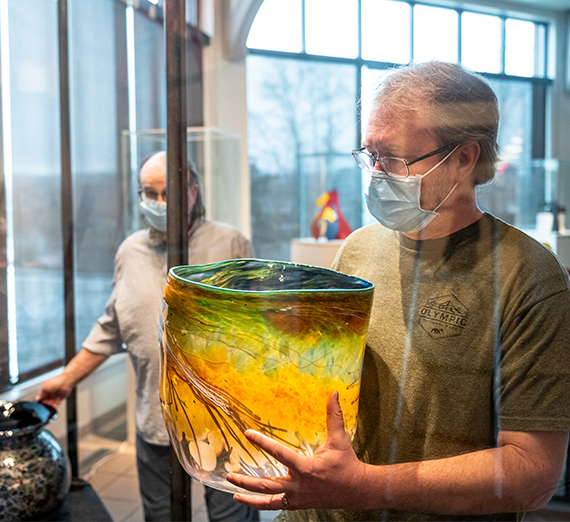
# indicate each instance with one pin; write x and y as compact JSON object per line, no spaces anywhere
{"x":327,"y":480}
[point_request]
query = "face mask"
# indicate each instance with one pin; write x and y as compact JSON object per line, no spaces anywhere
{"x":154,"y":212}
{"x":395,"y":203}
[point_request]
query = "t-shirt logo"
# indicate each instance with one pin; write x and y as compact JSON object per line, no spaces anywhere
{"x":443,"y":316}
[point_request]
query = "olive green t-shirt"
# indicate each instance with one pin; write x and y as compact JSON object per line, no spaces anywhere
{"x":468,"y":335}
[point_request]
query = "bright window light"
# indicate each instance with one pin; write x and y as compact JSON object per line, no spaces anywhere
{"x":519,"y":47}
{"x":332,"y":27}
{"x":277,"y":27}
{"x":435,"y":34}
{"x":386,"y":31}
{"x":481,"y":54}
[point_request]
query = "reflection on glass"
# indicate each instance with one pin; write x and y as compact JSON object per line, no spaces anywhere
{"x":481,"y":42}
{"x":386,"y":31}
{"x":332,"y":27}
{"x":295,"y":109}
{"x":277,"y":27}
{"x":519,"y":47}
{"x":99,"y":111}
{"x":435,"y":34}
{"x":513,"y":196}
{"x":98,"y":221}
{"x":370,"y":78}
{"x":35,"y":153}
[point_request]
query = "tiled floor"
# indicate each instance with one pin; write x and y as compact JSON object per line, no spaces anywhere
{"x":110,"y":467}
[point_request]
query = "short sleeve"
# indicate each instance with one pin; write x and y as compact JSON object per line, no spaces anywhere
{"x":241,"y":247}
{"x":105,"y":336}
{"x":535,"y":367}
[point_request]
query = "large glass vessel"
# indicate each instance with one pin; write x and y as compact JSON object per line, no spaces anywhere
{"x":262,"y":345}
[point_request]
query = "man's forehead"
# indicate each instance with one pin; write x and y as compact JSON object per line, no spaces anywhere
{"x":392,"y":125}
{"x":158,"y":158}
{"x":154,"y":168}
{"x":416,"y":112}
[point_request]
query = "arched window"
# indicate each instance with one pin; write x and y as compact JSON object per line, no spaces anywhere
{"x":311,"y":71}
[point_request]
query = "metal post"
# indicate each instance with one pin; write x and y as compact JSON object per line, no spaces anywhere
{"x":67,"y":227}
{"x":177,"y":196}
{"x":176,"y":144}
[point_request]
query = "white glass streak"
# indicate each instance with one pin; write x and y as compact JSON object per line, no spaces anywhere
{"x":8,"y":185}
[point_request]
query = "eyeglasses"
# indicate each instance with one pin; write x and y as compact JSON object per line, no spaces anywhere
{"x":150,"y":193}
{"x":393,"y":167}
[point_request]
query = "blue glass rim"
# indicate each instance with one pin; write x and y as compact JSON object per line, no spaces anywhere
{"x":358,"y":284}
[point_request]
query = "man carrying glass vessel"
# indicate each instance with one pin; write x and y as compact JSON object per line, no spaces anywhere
{"x":465,"y":399}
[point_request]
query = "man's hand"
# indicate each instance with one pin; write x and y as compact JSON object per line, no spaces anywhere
{"x":58,"y":388}
{"x":54,"y":391}
{"x":327,"y":480}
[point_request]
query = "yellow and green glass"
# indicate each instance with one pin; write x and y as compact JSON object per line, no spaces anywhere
{"x":252,"y":344}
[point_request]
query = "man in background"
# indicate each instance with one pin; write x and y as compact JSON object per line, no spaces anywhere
{"x":131,"y":319}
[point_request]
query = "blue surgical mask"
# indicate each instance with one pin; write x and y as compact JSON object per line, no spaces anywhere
{"x":395,"y":202}
{"x":154,"y":212}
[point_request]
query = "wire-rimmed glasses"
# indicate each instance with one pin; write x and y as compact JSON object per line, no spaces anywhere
{"x":391,"y":166}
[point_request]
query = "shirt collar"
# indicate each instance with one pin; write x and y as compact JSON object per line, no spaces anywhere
{"x":157,"y":238}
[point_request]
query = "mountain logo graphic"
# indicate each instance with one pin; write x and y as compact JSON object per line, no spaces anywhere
{"x":443,"y":317}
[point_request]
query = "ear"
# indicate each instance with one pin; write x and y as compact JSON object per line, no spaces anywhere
{"x":466,"y":157}
{"x":192,"y":195}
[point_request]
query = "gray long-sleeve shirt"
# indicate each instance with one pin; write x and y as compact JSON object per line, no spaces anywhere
{"x":131,"y":314}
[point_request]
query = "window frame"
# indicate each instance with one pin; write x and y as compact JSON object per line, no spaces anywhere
{"x":540,"y":82}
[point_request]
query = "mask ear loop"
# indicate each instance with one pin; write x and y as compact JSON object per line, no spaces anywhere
{"x":435,"y":167}
{"x":454,"y":186}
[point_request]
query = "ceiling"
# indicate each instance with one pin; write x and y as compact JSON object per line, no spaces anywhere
{"x":561,"y":5}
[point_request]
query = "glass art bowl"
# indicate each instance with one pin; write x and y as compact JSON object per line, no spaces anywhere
{"x":257,"y":344}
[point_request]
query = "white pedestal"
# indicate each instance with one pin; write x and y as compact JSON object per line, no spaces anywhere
{"x":309,"y":251}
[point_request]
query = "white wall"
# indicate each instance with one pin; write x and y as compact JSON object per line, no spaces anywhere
{"x":225,"y":104}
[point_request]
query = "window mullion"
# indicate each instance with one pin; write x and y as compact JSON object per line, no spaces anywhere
{"x":303,"y":28}
{"x":412,"y":7}
{"x":503,"y":43}
{"x":459,"y":35}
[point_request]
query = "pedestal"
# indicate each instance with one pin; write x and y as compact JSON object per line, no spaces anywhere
{"x":309,"y":251}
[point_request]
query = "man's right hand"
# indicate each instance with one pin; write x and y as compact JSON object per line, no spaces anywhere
{"x":54,"y":390}
{"x":58,"y":388}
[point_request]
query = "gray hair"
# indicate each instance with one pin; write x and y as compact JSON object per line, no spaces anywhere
{"x":463,"y":107}
{"x":198,"y":210}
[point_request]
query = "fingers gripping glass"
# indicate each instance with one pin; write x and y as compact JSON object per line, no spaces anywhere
{"x":393,"y":167}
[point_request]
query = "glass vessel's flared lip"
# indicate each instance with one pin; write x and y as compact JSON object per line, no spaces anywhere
{"x":37,"y":415}
{"x":366,"y":285}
